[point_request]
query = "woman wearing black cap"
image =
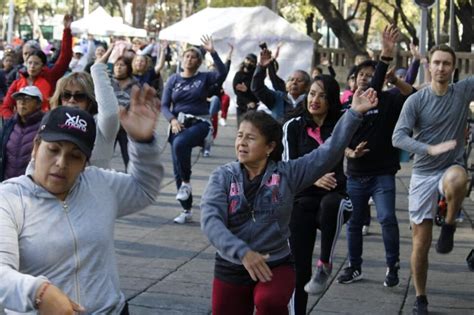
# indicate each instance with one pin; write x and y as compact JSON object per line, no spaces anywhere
{"x":59,"y":220}
{"x":241,"y":84}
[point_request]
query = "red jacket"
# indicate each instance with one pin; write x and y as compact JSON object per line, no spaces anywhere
{"x":46,"y":80}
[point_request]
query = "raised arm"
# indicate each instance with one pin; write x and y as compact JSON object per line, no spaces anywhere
{"x":65,"y":55}
{"x":389,"y":39}
{"x":258,"y":87}
{"x":404,"y":87}
{"x":145,"y":170}
{"x":161,"y":62}
{"x":107,"y":117}
{"x":219,"y":75}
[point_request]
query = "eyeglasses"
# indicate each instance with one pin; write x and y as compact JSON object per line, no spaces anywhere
{"x":79,"y":97}
{"x":25,"y":98}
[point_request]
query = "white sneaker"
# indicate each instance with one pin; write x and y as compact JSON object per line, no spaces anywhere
{"x":365,"y":230}
{"x":206,"y":153}
{"x":222,"y":122}
{"x":184,"y":192}
{"x":184,"y":217}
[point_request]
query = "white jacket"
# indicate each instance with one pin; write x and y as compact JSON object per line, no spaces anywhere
{"x":71,"y":243}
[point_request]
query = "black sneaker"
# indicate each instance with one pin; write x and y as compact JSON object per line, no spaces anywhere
{"x":446,"y":239}
{"x":350,"y":274}
{"x":391,"y":277}
{"x":421,"y":305}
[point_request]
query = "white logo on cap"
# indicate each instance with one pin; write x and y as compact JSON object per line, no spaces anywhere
{"x":76,"y":122}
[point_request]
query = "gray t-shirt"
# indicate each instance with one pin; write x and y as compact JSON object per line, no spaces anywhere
{"x":434,"y":119}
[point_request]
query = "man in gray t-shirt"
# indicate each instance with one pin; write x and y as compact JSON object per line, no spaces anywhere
{"x":437,"y":118}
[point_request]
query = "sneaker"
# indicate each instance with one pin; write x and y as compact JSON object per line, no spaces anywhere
{"x":184,"y":192}
{"x":391,"y":277}
{"x":421,"y":305}
{"x":222,"y":122}
{"x":446,"y":239}
{"x":185,"y":217}
{"x":206,"y":153}
{"x":460,"y":217}
{"x":365,"y":230}
{"x":350,"y":274}
{"x":318,"y":282}
{"x":371,"y":202}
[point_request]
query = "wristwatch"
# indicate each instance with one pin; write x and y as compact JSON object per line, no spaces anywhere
{"x":385,"y":58}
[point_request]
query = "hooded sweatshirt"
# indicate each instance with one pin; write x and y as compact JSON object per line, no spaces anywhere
{"x":234,"y":226}
{"x":71,"y":243}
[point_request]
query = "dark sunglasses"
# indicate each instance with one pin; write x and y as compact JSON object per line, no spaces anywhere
{"x":79,"y":97}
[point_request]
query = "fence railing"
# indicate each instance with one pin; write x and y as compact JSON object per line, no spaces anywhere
{"x":341,"y":61}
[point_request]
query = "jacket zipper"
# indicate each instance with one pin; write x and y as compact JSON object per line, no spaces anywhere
{"x":76,"y":255}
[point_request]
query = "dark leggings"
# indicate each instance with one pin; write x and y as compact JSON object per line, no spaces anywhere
{"x":122,"y":139}
{"x":326,"y":213}
{"x":269,"y":298}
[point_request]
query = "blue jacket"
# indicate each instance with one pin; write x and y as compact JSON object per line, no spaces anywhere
{"x":234,"y":227}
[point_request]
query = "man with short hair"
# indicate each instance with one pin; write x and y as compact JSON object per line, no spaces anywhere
{"x":437,"y":117}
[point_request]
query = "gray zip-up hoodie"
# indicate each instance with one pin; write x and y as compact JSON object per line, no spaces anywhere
{"x":234,"y":227}
{"x":71,"y":243}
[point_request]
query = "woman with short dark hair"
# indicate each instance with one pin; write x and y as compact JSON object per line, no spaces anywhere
{"x":246,"y":209}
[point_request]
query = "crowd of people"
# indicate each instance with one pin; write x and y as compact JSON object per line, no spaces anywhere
{"x":311,"y":160}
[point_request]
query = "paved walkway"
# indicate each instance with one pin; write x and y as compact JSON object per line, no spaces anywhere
{"x":167,"y":268}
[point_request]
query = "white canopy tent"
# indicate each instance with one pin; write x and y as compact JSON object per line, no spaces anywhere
{"x":100,"y":23}
{"x":245,"y":28}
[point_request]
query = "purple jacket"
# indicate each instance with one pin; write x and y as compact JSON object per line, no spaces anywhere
{"x":17,"y":144}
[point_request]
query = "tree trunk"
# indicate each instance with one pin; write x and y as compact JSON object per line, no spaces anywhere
{"x":339,"y":26}
{"x":465,"y":15}
{"x":309,"y":20}
{"x":407,"y":23}
{"x":36,"y":32}
{"x":445,"y":28}
{"x":119,"y":5}
{"x":430,"y":27}
{"x":139,"y":13}
{"x":368,"y":20}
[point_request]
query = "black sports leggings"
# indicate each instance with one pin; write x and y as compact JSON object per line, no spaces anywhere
{"x":324,"y":212}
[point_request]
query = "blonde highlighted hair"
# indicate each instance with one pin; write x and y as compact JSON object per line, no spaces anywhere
{"x":82,"y":79}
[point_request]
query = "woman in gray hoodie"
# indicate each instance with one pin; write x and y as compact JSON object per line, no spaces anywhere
{"x":247,"y":205}
{"x":57,"y":223}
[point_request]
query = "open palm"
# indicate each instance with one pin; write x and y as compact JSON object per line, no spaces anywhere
{"x":140,"y":119}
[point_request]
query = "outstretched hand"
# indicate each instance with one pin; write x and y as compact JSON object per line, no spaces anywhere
{"x":105,"y":56}
{"x":265,"y":57}
{"x":415,"y":52}
{"x":359,"y":151}
{"x":362,"y":101}
{"x":67,"y":20}
{"x":140,"y":119}
{"x":207,"y":43}
{"x":389,"y":40}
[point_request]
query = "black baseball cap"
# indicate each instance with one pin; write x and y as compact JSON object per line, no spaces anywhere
{"x":252,"y":57}
{"x":71,"y":124}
